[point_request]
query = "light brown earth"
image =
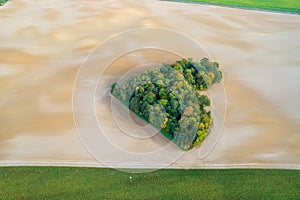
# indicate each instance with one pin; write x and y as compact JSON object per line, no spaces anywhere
{"x":43,"y":44}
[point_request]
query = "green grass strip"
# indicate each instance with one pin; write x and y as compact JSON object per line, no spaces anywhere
{"x":292,"y":6}
{"x":97,"y":183}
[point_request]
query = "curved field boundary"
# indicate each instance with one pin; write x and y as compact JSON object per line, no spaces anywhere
{"x":274,"y":9}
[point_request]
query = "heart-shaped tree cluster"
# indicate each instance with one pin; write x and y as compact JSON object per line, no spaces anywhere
{"x":170,"y":99}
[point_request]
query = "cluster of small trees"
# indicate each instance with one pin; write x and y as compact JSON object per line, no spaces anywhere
{"x":201,"y":74}
{"x":169,"y":99}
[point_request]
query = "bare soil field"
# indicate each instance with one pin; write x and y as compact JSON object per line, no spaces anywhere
{"x":44,"y":43}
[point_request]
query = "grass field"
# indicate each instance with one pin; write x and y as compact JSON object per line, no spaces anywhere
{"x":93,"y":183}
{"x":275,"y":5}
{"x":2,"y":2}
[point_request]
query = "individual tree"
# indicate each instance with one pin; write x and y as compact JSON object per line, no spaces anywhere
{"x":204,"y":100}
{"x":134,"y":104}
{"x":150,"y":97}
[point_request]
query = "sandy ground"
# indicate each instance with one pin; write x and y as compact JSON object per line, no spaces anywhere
{"x":43,"y":44}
